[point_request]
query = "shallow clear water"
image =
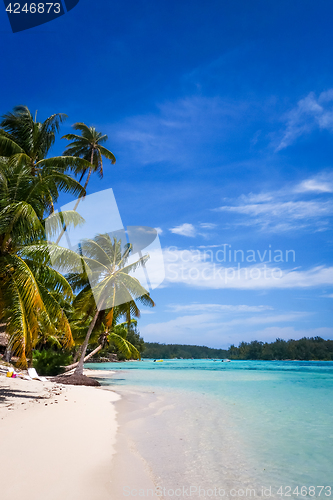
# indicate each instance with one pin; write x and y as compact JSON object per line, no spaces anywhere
{"x":281,"y":410}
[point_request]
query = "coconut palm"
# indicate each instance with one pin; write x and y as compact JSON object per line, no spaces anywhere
{"x":102,"y":334}
{"x":88,"y":146}
{"x":22,"y":134}
{"x":27,"y":143}
{"x":111,"y":289}
{"x":30,"y":184}
{"x":29,"y":284}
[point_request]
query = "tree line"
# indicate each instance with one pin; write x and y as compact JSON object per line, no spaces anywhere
{"x":171,"y":351}
{"x":314,"y":348}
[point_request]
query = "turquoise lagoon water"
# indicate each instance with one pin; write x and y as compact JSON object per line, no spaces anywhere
{"x":281,"y":411}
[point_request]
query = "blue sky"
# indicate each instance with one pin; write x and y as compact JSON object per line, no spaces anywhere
{"x":220,"y":115}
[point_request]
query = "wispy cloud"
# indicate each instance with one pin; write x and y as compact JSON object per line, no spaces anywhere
{"x":283,"y":216}
{"x":207,"y":225}
{"x":283,"y":210}
{"x":184,"y":230}
{"x":196,"y":308}
{"x":191,"y":268}
{"x":321,"y":183}
{"x":181,"y":131}
{"x":289,"y":209}
{"x":211,"y":329}
{"x":256,"y":197}
{"x":203,"y":247}
{"x":310,"y":113}
{"x":190,"y":230}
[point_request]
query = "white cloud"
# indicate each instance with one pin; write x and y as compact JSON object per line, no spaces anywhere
{"x":182,"y":329}
{"x":283,"y":210}
{"x":289,"y":209}
{"x":159,"y":230}
{"x":190,"y":230}
{"x":256,"y":197}
{"x":195,"y":308}
{"x":314,"y":185}
{"x":259,"y":320}
{"x":213,"y":330}
{"x":210,"y":246}
{"x":184,"y":230}
{"x":321,"y":183}
{"x":191,"y":268}
{"x":309,"y":114}
{"x":207,"y":225}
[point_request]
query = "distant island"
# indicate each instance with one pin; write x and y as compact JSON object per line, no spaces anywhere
{"x":172,"y":351}
{"x":314,"y":348}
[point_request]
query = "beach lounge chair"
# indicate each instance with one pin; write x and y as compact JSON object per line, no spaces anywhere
{"x":34,"y":375}
{"x":24,"y":377}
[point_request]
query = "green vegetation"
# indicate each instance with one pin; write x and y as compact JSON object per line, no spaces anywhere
{"x":128,"y":332}
{"x":48,"y":306}
{"x":304,"y":349}
{"x":171,"y":351}
{"x":51,"y":363}
{"x":99,"y":298}
{"x":314,"y":348}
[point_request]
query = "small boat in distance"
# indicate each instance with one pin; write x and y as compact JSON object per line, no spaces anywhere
{"x":158,"y":360}
{"x":225,"y":360}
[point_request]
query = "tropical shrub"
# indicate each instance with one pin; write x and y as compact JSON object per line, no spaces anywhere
{"x":51,"y":363}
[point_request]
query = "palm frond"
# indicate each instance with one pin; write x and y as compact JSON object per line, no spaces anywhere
{"x":8,"y":146}
{"x":105,"y":152}
{"x":124,"y":346}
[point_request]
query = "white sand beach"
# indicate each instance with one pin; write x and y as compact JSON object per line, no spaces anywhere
{"x":61,"y":442}
{"x":58,"y":442}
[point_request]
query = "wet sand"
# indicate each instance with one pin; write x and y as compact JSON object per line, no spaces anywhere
{"x":182,"y":445}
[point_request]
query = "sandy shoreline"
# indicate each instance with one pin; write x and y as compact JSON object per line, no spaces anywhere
{"x":61,"y":442}
{"x":58,"y":442}
{"x":171,"y":433}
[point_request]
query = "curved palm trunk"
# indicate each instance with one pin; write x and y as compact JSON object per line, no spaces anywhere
{"x":79,"y":368}
{"x":8,"y":354}
{"x":29,"y":350}
{"x":77,"y":355}
{"x":90,"y":355}
{"x":84,"y":187}
{"x":80,"y":198}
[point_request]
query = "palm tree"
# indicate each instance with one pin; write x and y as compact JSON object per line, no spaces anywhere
{"x":111,"y":288}
{"x":102,"y":334}
{"x":26,"y":143}
{"x":31,"y":289}
{"x":88,"y":146}
{"x":29,"y":285}
{"x":22,"y":134}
